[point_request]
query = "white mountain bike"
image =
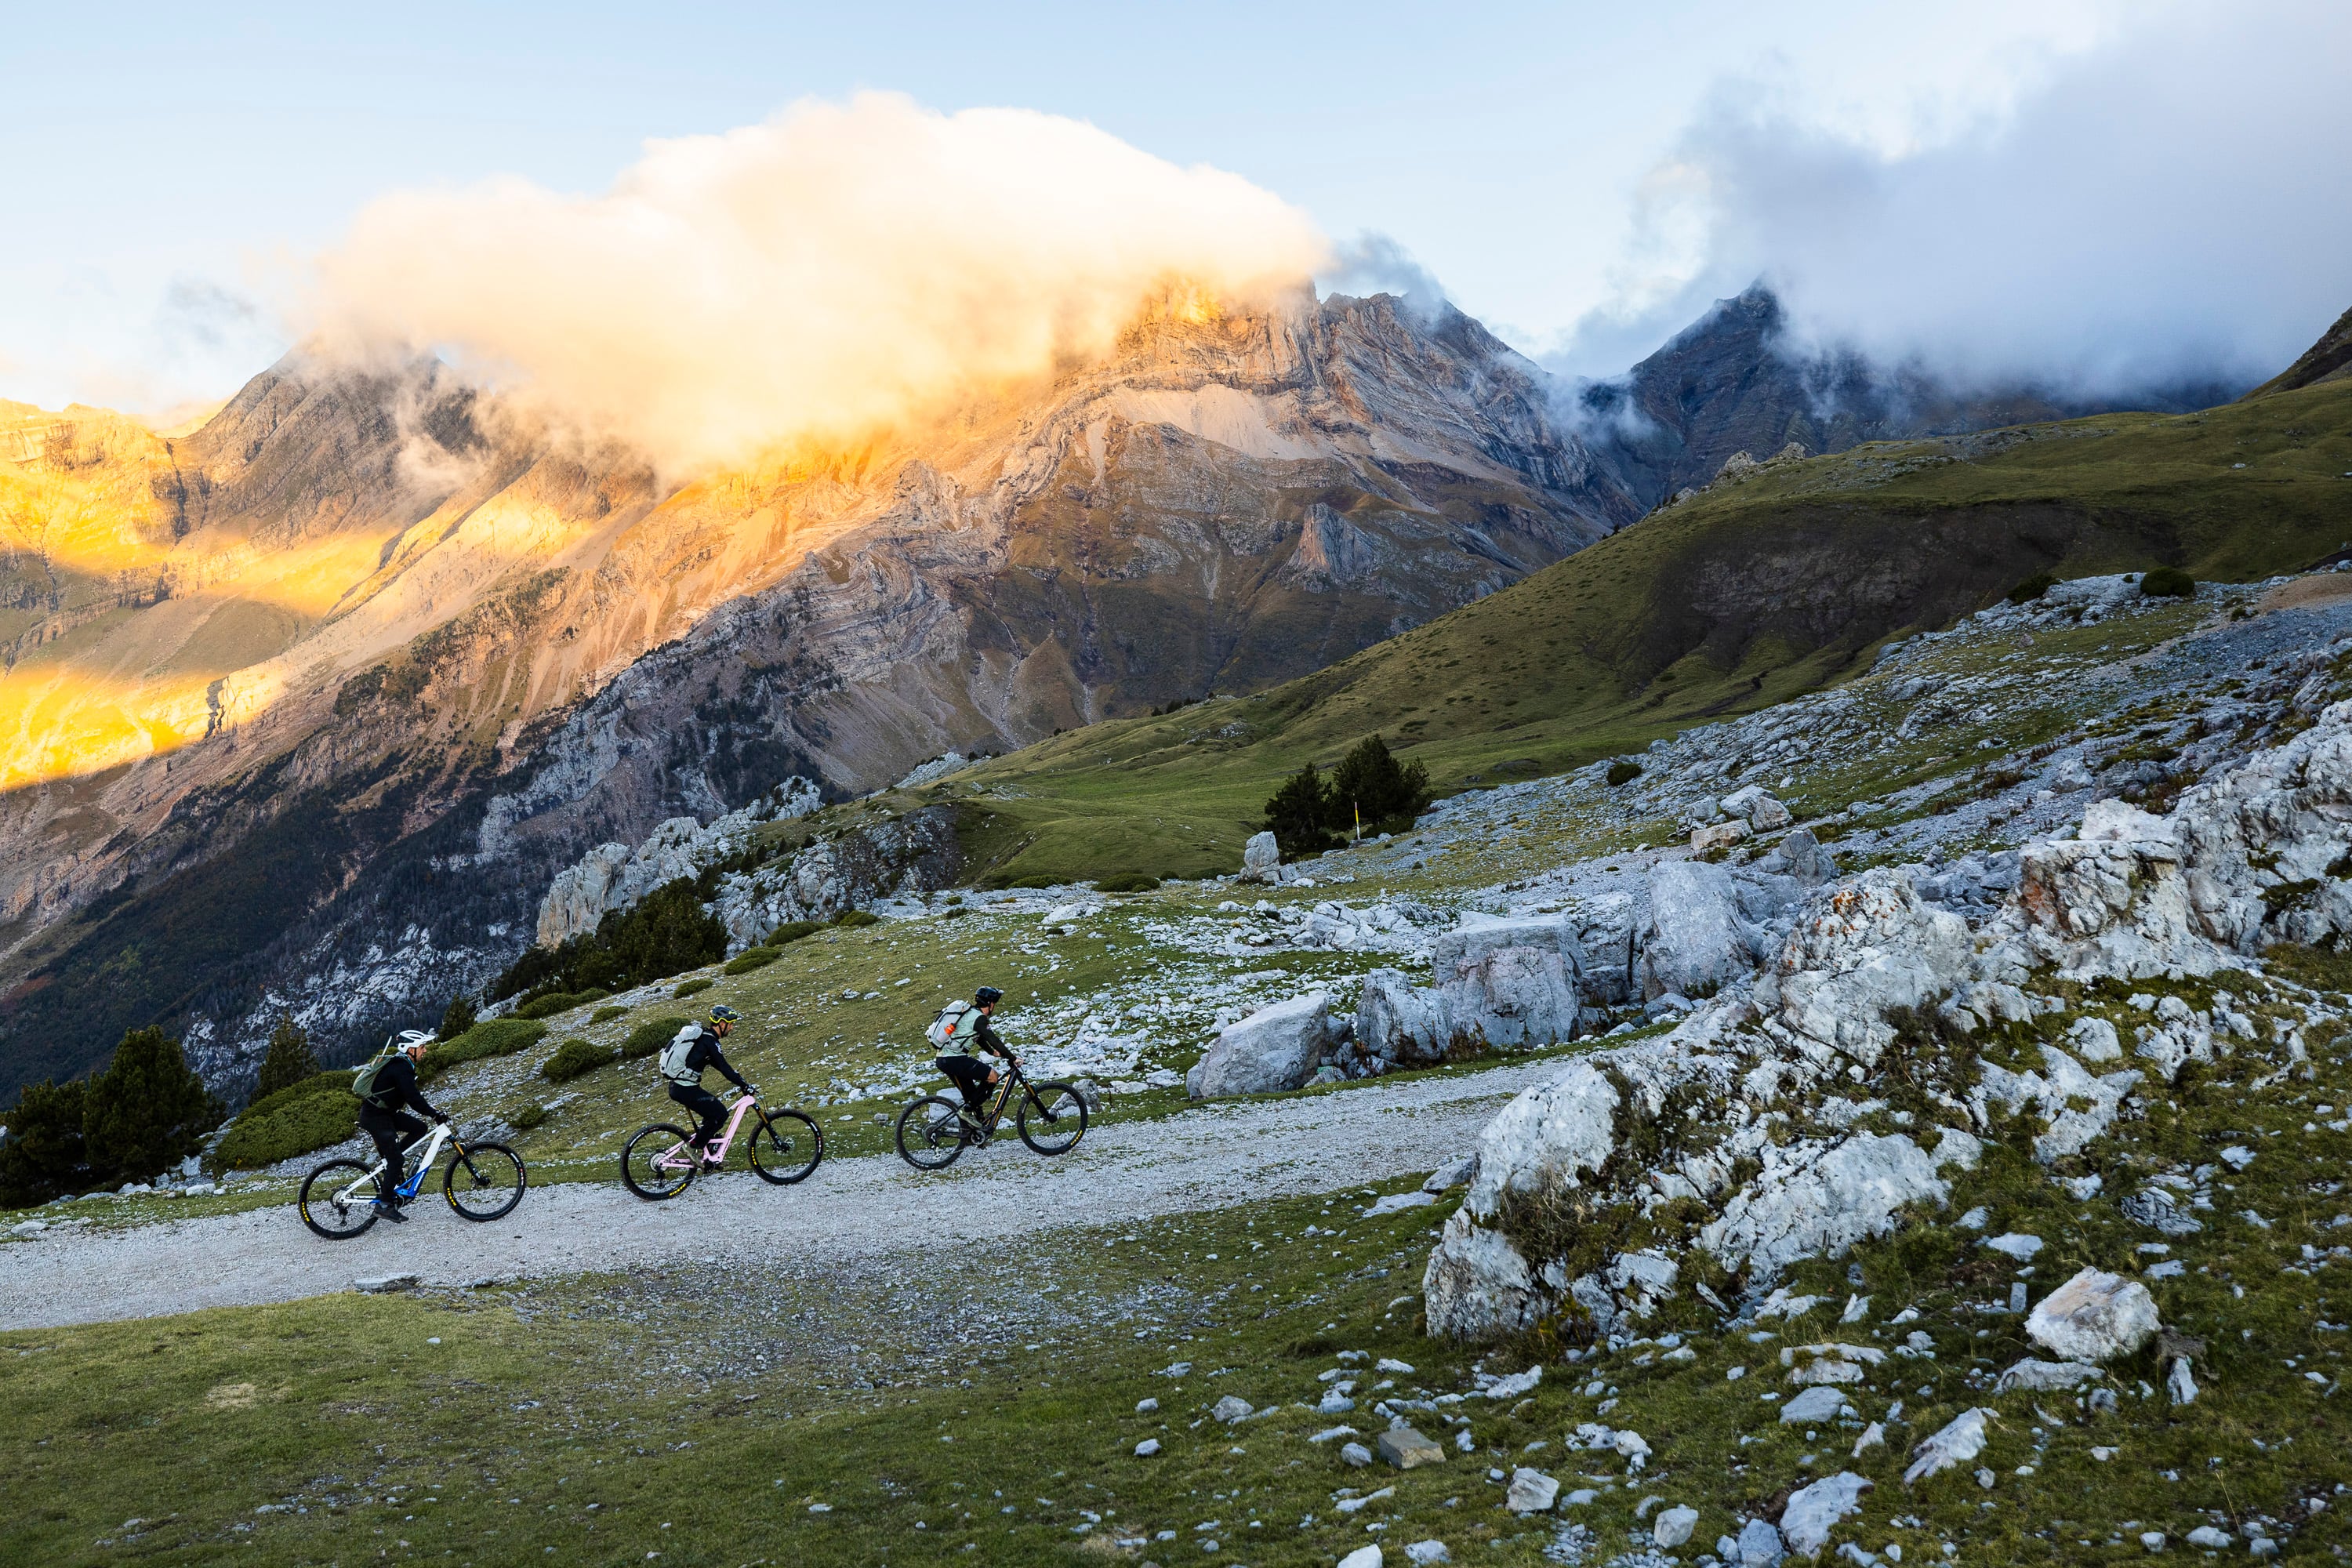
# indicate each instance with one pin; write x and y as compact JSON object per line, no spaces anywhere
{"x":484,"y":1182}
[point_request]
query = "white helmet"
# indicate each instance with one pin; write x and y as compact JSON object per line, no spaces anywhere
{"x":409,"y":1039}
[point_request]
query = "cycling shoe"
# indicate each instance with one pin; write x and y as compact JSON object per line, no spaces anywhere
{"x":388,"y":1211}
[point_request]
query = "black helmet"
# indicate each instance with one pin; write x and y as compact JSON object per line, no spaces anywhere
{"x":723,"y":1013}
{"x":987,"y":996}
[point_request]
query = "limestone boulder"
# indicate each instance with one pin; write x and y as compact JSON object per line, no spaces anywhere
{"x":1696,"y":942}
{"x":1814,"y":1199}
{"x":2094,"y":1317}
{"x":1858,"y":949}
{"x":1275,"y":1047}
{"x":1510,"y":982}
{"x":1261,"y":860}
{"x":2261,"y":845}
{"x":1812,"y":1511}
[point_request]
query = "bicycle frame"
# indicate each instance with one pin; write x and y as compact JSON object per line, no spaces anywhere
{"x":431,"y":1144}
{"x":679,"y":1156}
{"x":1009,"y":1079}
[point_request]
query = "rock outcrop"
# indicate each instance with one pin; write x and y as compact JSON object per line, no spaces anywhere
{"x":1275,"y":1047}
{"x":1750,"y":1103}
{"x":1497,"y":983}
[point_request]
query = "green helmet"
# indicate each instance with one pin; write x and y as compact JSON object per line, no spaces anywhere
{"x":723,"y":1013}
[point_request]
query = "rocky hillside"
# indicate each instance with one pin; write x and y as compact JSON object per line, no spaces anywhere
{"x":350,"y":779}
{"x":1734,"y":382}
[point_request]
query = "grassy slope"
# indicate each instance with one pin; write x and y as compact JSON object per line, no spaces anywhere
{"x":1731,"y":602}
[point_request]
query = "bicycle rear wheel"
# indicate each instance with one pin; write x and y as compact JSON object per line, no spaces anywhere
{"x":786,"y":1146}
{"x":1060,"y":1119}
{"x":484,"y":1182}
{"x":931,"y":1133}
{"x":327,"y":1212}
{"x":657,"y":1164}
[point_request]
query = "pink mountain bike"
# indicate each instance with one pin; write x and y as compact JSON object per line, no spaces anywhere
{"x":785,"y":1148}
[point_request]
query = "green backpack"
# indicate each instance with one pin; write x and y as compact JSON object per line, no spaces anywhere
{"x":364,"y":1081}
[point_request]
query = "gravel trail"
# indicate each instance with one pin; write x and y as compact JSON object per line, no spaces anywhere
{"x":1211,"y":1157}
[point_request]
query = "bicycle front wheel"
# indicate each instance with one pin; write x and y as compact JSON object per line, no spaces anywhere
{"x":484,"y":1182}
{"x":932,"y":1134}
{"x":786,"y":1147}
{"x":1052,"y":1118}
{"x":658,"y":1163}
{"x":338,"y":1199}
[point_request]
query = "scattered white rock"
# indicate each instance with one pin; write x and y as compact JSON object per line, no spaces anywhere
{"x":2094,"y":1317}
{"x":1812,"y":1511}
{"x":2046,"y":1376}
{"x":1397,"y":1202}
{"x":1425,"y":1552}
{"x":1355,"y":1455}
{"x":1675,"y":1526}
{"x":1363,"y":1556}
{"x":1230,"y":1409}
{"x":2015,"y":1244}
{"x":1758,"y":1545}
{"x":1818,"y":1404}
{"x":1147,"y":1447}
{"x":382,"y":1284}
{"x":1961,"y":1439}
{"x":1515,"y":1385}
{"x":1530,"y":1491}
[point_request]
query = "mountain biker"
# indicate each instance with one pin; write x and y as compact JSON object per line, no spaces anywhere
{"x":695,"y":1048}
{"x":394,"y":1086}
{"x":969,"y":1029}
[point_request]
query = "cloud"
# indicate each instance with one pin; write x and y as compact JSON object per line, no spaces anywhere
{"x":2159,"y":210}
{"x":837,"y":268}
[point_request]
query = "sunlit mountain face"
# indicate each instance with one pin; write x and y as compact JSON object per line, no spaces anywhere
{"x":366,"y":608}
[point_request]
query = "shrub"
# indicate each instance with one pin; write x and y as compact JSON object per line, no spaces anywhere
{"x":492,"y":1038}
{"x":1624,"y":770}
{"x":529,"y":1117}
{"x":691,"y":988}
{"x":573,"y":1057}
{"x":147,"y":1109}
{"x":753,"y":958}
{"x":299,"y":1119}
{"x":2168,"y":582}
{"x":43,"y":1156}
{"x":652,"y":1036}
{"x":1369,"y":790}
{"x":2033,"y":588}
{"x":289,"y":1061}
{"x":868,"y":918}
{"x":455,"y":1018}
{"x":605,"y":1014}
{"x":555,"y":1002}
{"x":792,"y":931}
{"x":665,"y":932}
{"x":1134,"y":882}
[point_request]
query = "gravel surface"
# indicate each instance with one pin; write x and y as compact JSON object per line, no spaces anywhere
{"x":1211,"y":1157}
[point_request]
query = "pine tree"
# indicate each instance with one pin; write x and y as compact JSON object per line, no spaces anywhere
{"x":43,"y":1156}
{"x":457,"y":1019}
{"x":146,"y":1111}
{"x":1370,"y":787}
{"x":289,"y":1061}
{"x":1298,"y":815}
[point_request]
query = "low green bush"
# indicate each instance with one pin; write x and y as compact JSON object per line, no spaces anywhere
{"x":1623,"y":771}
{"x":868,"y":918}
{"x":1134,"y":883}
{"x":2033,"y":588}
{"x":573,"y":1057}
{"x":792,"y":931}
{"x":605,"y":1014}
{"x":299,"y":1119}
{"x":529,"y":1117}
{"x":691,"y":988}
{"x":492,"y":1038}
{"x":2168,"y":582}
{"x":556,"y":1002}
{"x":753,"y":958}
{"x":652,"y":1036}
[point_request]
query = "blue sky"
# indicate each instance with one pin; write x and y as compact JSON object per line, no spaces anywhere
{"x":171,"y":168}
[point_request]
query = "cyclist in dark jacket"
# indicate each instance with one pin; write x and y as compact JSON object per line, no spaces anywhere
{"x":700,"y":1042}
{"x":971,"y":1075}
{"x":396,"y":1087}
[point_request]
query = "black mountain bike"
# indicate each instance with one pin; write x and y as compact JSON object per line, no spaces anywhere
{"x":1051,"y":1119}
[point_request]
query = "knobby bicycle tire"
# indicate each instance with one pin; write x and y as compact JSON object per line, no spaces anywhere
{"x":1062,"y":1116}
{"x":326,"y":1220}
{"x":779,"y":1141}
{"x":485,"y":1167}
{"x":658,"y":1185}
{"x":932,"y":1139}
